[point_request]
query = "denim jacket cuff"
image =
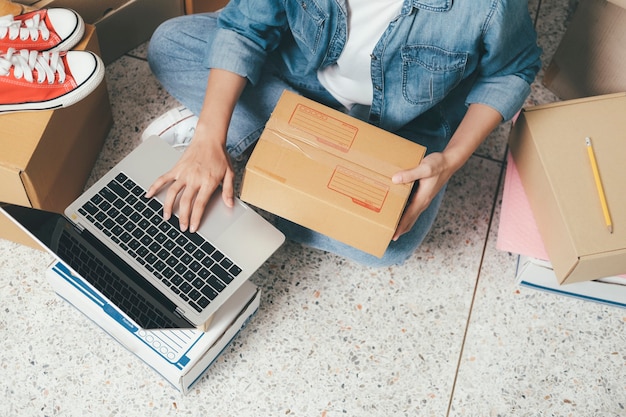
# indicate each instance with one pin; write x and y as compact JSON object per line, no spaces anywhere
{"x":505,"y":94}
{"x":237,"y":54}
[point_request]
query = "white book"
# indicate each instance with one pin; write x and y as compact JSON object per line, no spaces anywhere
{"x":538,"y":274}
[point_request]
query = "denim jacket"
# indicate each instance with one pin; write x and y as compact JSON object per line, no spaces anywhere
{"x":433,"y":60}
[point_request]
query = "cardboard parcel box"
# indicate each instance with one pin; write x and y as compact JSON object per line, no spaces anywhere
{"x":47,"y":156}
{"x":591,"y":57}
{"x":122,"y":24}
{"x":330,"y":173}
{"x":203,"y":6}
{"x":548,"y":147}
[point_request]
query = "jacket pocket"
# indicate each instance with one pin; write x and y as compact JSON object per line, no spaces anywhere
{"x":306,"y":21}
{"x":429,"y":73}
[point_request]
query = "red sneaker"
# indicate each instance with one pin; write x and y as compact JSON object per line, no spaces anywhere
{"x":41,"y":30}
{"x":31,"y":80}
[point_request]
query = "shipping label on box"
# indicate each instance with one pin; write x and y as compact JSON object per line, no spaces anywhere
{"x":181,"y":356}
{"x":331,"y":173}
{"x":550,"y":152}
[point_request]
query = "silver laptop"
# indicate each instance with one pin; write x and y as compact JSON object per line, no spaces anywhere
{"x":159,"y":276}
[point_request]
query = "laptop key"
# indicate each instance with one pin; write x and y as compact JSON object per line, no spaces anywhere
{"x":221,"y":273}
{"x":216,"y":283}
{"x":118,"y":189}
{"x":90,"y":207}
{"x":185,"y":287}
{"x":209,"y":292}
{"x":96,"y":199}
{"x":226,"y":263}
{"x":235,"y":270}
{"x":138,"y":191}
{"x":194,"y":294}
{"x":128,"y":184}
{"x":108,"y":194}
{"x":194,"y":237}
{"x":217,"y":256}
{"x":203,"y":302}
{"x":155,"y":205}
{"x":207,"y":247}
{"x":196,"y":306}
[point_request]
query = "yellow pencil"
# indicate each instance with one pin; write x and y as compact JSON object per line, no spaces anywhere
{"x":599,"y":187}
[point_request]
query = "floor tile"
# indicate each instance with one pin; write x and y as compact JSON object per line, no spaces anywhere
{"x":330,"y":338}
{"x":531,"y":353}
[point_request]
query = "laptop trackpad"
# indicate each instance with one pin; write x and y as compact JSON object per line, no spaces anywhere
{"x":217,"y":215}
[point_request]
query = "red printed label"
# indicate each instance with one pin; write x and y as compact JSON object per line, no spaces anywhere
{"x":326,"y":129}
{"x":363,"y":190}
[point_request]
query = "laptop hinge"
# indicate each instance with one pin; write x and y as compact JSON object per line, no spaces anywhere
{"x":78,"y":227}
{"x":179,"y":313}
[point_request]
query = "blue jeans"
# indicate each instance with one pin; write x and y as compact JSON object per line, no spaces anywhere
{"x":177,"y":55}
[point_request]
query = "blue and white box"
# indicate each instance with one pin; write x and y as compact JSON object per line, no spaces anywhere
{"x":181,"y":356}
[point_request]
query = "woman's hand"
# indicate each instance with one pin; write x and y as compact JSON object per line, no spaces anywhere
{"x":430,"y":176}
{"x":436,"y":168}
{"x":205,"y":164}
{"x":198,"y":173}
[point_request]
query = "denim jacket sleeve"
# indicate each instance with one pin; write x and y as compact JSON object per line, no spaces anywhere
{"x":248,"y":31}
{"x":510,"y":61}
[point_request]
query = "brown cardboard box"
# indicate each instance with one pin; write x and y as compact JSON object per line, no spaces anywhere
{"x":47,"y":156}
{"x":331,"y":173}
{"x":121,"y":24}
{"x":90,"y":11}
{"x":591,"y":57}
{"x":549,"y":150}
{"x":203,"y":6}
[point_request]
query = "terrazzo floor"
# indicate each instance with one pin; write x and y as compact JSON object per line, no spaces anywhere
{"x":447,"y":334}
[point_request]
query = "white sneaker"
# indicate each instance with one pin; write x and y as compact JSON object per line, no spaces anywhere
{"x":176,"y":127}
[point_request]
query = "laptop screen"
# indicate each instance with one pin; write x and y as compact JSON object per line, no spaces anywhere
{"x":98,"y":265}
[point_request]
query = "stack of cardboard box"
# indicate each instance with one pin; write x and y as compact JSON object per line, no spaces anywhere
{"x":548,"y":148}
{"x":47,"y":156}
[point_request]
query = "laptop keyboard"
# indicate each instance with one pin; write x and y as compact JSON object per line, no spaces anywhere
{"x":188,"y":264}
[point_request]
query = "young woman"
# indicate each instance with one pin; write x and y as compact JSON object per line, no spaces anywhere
{"x":443,"y":73}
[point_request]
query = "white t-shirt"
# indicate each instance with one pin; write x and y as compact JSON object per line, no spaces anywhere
{"x":349,"y":80}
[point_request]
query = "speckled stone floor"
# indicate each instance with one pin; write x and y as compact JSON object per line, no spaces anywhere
{"x":447,"y":334}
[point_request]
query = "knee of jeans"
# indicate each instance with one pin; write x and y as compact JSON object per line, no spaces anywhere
{"x":391,"y":258}
{"x":161,"y":42}
{"x":154,"y":52}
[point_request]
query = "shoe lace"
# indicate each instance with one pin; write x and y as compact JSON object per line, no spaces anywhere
{"x":47,"y":65}
{"x":26,"y":28}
